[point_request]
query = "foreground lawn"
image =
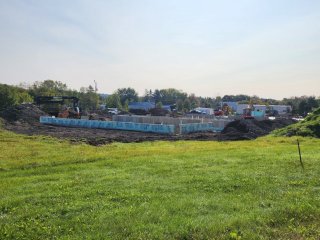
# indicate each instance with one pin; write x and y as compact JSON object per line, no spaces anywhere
{"x":51,"y":189}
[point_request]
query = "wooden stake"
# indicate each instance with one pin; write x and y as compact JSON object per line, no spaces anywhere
{"x":301,"y":163}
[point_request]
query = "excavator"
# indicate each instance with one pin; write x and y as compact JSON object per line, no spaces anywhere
{"x":52,"y":105}
{"x":252,"y":113}
{"x":247,"y":113}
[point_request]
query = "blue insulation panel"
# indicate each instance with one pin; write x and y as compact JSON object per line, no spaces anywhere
{"x":198,"y":127}
{"x":129,"y":126}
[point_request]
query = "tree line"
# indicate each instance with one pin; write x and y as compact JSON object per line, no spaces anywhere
{"x":183,"y":102}
{"x":14,"y":95}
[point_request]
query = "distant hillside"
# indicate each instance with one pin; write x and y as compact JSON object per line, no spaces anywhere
{"x":310,"y":126}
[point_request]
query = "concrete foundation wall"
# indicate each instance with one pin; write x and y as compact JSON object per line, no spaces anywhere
{"x":212,"y":117}
{"x":129,"y":126}
{"x":220,"y":123}
{"x":157,"y":119}
{"x":163,"y":120}
{"x":214,"y":125}
{"x":198,"y":127}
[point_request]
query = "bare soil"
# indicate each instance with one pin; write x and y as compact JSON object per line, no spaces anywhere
{"x":246,"y":129}
{"x":24,"y":119}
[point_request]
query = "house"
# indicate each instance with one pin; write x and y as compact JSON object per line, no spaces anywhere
{"x":241,"y":107}
{"x":260,"y":108}
{"x":281,"y":109}
{"x":141,"y":106}
{"x":257,"y":108}
{"x":167,"y":107}
{"x":278,"y":109}
{"x":201,"y":110}
{"x":232,"y":105}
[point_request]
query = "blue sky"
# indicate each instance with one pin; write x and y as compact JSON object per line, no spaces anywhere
{"x":266,"y":48}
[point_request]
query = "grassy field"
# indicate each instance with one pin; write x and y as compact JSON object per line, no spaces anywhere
{"x":51,"y":189}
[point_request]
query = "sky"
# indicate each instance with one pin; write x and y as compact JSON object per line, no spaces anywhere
{"x":269,"y":48}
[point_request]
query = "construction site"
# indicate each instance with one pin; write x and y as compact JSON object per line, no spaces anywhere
{"x":29,"y":119}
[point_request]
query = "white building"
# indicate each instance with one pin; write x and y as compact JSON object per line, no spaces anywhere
{"x":207,"y":111}
{"x":259,"y":108}
{"x":241,"y":107}
{"x":281,"y":109}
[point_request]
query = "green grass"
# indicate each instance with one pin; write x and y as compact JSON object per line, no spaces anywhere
{"x":51,"y":189}
{"x":309,"y":127}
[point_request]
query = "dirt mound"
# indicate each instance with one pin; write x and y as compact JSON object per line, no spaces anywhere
{"x":158,"y":112}
{"x":138,"y":111}
{"x":309,"y":127}
{"x":245,"y":129}
{"x":24,"y":113}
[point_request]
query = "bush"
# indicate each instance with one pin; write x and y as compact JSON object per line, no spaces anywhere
{"x":11,"y":96}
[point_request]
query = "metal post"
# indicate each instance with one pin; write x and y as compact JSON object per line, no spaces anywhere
{"x":301,"y":163}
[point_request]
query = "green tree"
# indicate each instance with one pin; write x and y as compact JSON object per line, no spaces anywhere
{"x":171,"y":96}
{"x":113,"y":101}
{"x":206,"y":102}
{"x":10,"y":96}
{"x":48,"y":88}
{"x":194,"y":101}
{"x":157,"y":95}
{"x":235,"y":98}
{"x":89,"y":99}
{"x":125,"y":107}
{"x":159,"y":105}
{"x":312,"y":103}
{"x":179,"y":105}
{"x":148,"y":96}
{"x":186,"y":105}
{"x":301,"y":105}
{"x":127,"y":94}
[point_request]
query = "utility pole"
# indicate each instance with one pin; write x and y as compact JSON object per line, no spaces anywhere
{"x":95,"y":86}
